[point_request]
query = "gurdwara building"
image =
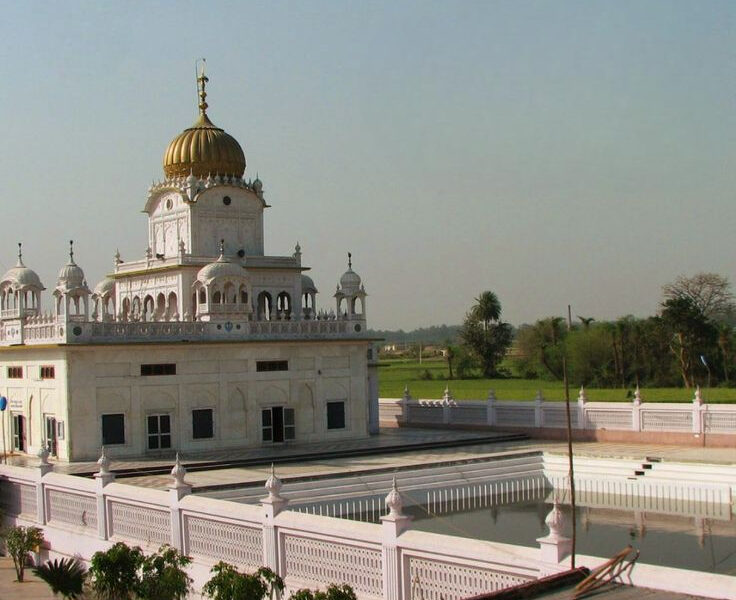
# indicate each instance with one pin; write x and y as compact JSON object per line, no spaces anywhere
{"x":203,"y":344}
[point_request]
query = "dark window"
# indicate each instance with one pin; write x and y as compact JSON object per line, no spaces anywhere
{"x":202,"y":423}
{"x":159,"y":369}
{"x":335,"y":415}
{"x":113,"y":429}
{"x":15,"y":372}
{"x":48,"y":373}
{"x":272,"y":365}
{"x":159,"y":432}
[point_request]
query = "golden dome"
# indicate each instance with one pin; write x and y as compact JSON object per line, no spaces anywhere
{"x":204,"y":149}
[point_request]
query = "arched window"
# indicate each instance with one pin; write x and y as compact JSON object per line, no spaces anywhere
{"x":229,"y":293}
{"x":283,"y":303}
{"x":202,"y":296}
{"x":243,"y":295}
{"x":216,"y":297}
{"x":265,"y":306}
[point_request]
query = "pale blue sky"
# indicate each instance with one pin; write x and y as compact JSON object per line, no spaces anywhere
{"x":554,"y":152}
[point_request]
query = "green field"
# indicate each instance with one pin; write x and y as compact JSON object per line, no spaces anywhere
{"x":395,"y":374}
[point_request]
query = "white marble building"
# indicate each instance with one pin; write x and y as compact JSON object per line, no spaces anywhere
{"x":204,"y":343}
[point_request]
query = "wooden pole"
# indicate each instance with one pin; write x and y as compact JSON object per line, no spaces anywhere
{"x":571,"y":471}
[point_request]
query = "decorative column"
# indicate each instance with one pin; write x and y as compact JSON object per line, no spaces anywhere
{"x":538,"y":417}
{"x":43,"y":467}
{"x":102,"y":478}
{"x":636,"y":410}
{"x":555,"y":546}
{"x":447,"y":402}
{"x":582,"y":399}
{"x":699,"y":408}
{"x":272,"y":505}
{"x":177,"y":491}
{"x":405,"y":399}
{"x":392,"y":526}
{"x":491,"y":408}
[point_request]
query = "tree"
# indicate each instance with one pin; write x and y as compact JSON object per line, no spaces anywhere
{"x":162,"y":575}
{"x":450,"y":353}
{"x":20,"y":541}
{"x":65,"y":577}
{"x":709,"y":292}
{"x":692,"y":334}
{"x":115,"y":572}
{"x":228,"y":583}
{"x":483,"y":332}
{"x":541,"y":347}
{"x":333,"y":592}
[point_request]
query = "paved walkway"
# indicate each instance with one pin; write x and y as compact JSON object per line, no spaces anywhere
{"x":31,"y":589}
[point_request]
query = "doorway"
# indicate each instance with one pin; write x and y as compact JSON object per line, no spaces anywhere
{"x":277,"y":424}
{"x":51,"y":442}
{"x":19,"y":433}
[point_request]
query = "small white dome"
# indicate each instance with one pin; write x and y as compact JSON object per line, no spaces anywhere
{"x":71,"y":276}
{"x":350,"y":281}
{"x":308,"y":284}
{"x":21,"y":277}
{"x":106,"y":286}
{"x":222,"y":267}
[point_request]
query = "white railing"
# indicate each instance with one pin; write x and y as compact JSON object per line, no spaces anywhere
{"x":697,"y":418}
{"x":81,"y":516}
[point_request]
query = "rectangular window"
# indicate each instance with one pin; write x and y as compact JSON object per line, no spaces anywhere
{"x":272,"y":365}
{"x":336,"y":415}
{"x":159,"y":432}
{"x":267,"y":425}
{"x":289,"y":424}
{"x":113,"y":429}
{"x":15,"y":372}
{"x":48,"y":372}
{"x":202,"y":424}
{"x":158,"y":369}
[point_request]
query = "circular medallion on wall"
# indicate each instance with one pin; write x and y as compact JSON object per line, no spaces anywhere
{"x":357,"y":327}
{"x":226,"y":200}
{"x":77,"y":330}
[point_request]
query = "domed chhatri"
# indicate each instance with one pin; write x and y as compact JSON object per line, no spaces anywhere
{"x":350,"y":280}
{"x":204,"y":149}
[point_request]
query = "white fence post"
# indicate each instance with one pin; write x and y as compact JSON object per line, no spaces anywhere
{"x":582,"y":399}
{"x":405,"y":399}
{"x":538,"y":417}
{"x":393,"y":525}
{"x":43,"y":467}
{"x":447,"y":402}
{"x":555,"y":546}
{"x":698,"y":425}
{"x":102,"y":477}
{"x":491,"y":408}
{"x":177,"y":491}
{"x":272,"y":505}
{"x":636,"y":410}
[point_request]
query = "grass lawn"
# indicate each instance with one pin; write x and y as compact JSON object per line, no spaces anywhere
{"x":395,"y":374}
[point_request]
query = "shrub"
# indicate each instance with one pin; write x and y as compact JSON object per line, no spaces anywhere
{"x":333,"y":592}
{"x":65,"y":577}
{"x":115,"y":572}
{"x":162,"y":575}
{"x":228,"y":583}
{"x":20,"y":541}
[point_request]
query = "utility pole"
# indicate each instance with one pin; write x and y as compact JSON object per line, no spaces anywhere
{"x":571,"y":471}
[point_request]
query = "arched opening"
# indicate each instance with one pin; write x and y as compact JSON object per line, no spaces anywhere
{"x":243,"y":293}
{"x":160,"y":311}
{"x":265,"y":306}
{"x":148,"y":308}
{"x":283,"y":304}
{"x":203,"y":296}
{"x":172,"y":306}
{"x":125,"y":311}
{"x":229,"y":296}
{"x":217,"y":297}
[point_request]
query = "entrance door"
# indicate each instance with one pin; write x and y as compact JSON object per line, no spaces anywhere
{"x":159,"y":432}
{"x":51,"y":445}
{"x":19,"y":433}
{"x":277,"y":424}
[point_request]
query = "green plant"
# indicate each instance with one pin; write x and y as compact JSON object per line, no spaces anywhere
{"x":333,"y":592}
{"x":65,"y":577}
{"x":228,"y":583}
{"x":115,"y":572}
{"x":20,"y":541}
{"x":162,"y":575}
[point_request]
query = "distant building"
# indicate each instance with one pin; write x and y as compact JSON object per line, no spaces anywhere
{"x":204,"y":343}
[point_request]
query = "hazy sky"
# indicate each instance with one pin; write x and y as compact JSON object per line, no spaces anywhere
{"x":553,"y":152}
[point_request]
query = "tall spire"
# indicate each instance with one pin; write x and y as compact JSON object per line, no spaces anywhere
{"x":201,"y":83}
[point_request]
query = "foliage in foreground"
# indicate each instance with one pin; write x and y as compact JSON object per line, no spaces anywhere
{"x":20,"y":541}
{"x":333,"y":592}
{"x":123,"y":573}
{"x":65,"y":577}
{"x":228,"y":583}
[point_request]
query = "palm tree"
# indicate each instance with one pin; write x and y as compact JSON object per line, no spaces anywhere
{"x":65,"y":577}
{"x":487,"y":308}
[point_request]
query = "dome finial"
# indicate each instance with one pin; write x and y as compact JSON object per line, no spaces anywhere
{"x":201,"y":83}
{"x":350,"y":260}
{"x":71,"y":251}
{"x":20,"y":254}
{"x":222,"y":248}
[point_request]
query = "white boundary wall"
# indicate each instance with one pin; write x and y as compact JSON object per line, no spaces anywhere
{"x":389,"y":560}
{"x":697,"y":418}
